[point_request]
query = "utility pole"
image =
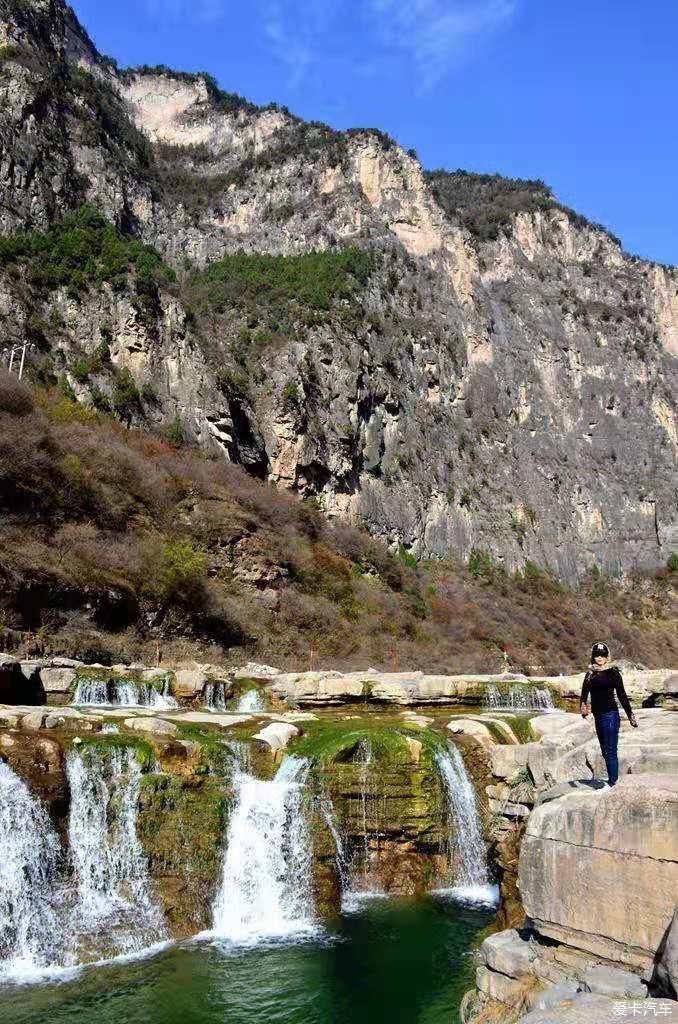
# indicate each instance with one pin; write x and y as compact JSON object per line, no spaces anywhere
{"x":14,"y":354}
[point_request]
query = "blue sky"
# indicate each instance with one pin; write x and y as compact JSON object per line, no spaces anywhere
{"x":581,"y":94}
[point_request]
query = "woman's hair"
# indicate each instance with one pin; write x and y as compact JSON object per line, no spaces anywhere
{"x":600,"y":650}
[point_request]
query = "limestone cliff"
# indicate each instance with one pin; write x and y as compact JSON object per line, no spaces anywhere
{"x":501,"y":374}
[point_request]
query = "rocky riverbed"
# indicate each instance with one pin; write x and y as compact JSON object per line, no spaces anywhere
{"x":395,"y":783}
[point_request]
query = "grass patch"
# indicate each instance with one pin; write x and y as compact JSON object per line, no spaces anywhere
{"x":522,"y":727}
{"x":327,"y":741}
{"x":145,"y":754}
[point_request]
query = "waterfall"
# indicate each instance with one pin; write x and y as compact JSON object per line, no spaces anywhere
{"x":91,"y":692}
{"x":30,"y":933}
{"x":251,"y":701}
{"x":113,"y":892}
{"x":326,"y":809}
{"x":214,"y":695}
{"x":266,"y":885}
{"x":364,"y":758}
{"x":518,"y":698}
{"x":465,"y":839}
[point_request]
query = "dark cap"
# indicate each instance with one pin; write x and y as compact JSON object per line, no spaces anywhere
{"x":600,"y":650}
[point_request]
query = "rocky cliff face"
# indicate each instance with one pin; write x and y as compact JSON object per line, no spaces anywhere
{"x":501,"y":375}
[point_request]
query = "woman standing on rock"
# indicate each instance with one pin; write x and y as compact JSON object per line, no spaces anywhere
{"x":601,"y":681}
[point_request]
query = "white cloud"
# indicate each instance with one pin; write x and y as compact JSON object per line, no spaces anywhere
{"x":437,"y":34}
{"x":286,"y":40}
{"x":316,"y":38}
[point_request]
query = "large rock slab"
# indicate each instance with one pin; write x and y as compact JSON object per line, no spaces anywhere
{"x":255,"y":670}
{"x":581,"y":851}
{"x":189,"y":682}
{"x":506,"y":760}
{"x":507,"y":953}
{"x":152,"y":726}
{"x":499,"y":986}
{"x":317,"y":687}
{"x":210,"y":718}
{"x":475,"y":729}
{"x":395,"y":687}
{"x":277,"y":735}
{"x":610,"y":981}
{"x":57,"y":679}
{"x":585,"y":1008}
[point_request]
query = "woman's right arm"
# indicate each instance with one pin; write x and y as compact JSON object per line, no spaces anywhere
{"x":585,"y":690}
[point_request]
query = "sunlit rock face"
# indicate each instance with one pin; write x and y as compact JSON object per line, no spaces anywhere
{"x":510,"y":387}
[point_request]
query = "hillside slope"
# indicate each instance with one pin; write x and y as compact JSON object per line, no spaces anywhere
{"x":115,"y":544}
{"x":463,"y":363}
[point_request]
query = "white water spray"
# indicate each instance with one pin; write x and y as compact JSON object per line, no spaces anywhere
{"x":251,"y":702}
{"x":90,"y":692}
{"x":327,"y":810}
{"x":465,"y":839}
{"x":518,"y":698}
{"x":266,"y":885}
{"x":30,"y":934}
{"x":113,"y":887}
{"x":364,"y":758}
{"x":214,"y":696}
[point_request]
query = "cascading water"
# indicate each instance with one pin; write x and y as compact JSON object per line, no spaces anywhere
{"x":30,"y":934}
{"x":465,"y":839}
{"x":214,"y":696}
{"x":251,"y":701}
{"x":266,"y":885}
{"x":327,"y":811}
{"x":364,"y":758}
{"x":518,"y":698}
{"x":90,"y":692}
{"x":113,"y":888}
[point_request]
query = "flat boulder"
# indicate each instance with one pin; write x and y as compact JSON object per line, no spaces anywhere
{"x":57,"y":679}
{"x":611,"y":981}
{"x":622,"y":840}
{"x":189,"y":682}
{"x":277,"y":735}
{"x":152,"y":726}
{"x":212,"y":718}
{"x":255,"y":670}
{"x":506,"y":759}
{"x":472,"y":727}
{"x":33,"y":720}
{"x":565,"y":788}
{"x":73,"y":722}
{"x":670,"y":685}
{"x":508,"y":953}
{"x":327,"y":687}
{"x":395,"y":687}
{"x":587,"y":1008}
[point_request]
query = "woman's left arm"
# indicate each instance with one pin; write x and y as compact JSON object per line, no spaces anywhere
{"x":624,"y":700}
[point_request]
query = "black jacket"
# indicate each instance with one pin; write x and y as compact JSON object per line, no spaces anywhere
{"x":601,"y":684}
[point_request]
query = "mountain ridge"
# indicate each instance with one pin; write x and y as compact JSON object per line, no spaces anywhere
{"x":503,"y":378}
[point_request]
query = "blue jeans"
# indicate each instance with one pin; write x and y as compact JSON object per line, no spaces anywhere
{"x":607,"y":728}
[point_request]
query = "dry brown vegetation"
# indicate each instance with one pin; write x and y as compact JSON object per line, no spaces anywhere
{"x":113,"y":541}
